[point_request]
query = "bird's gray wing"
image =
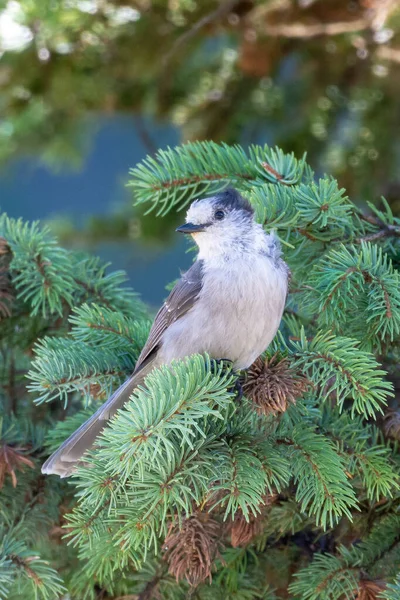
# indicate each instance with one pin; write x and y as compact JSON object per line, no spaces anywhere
{"x":181,"y":299}
{"x":65,"y":460}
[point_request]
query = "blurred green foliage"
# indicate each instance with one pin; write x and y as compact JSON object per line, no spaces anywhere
{"x":315,"y":75}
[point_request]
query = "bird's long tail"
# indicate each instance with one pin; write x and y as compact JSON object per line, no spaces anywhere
{"x":65,"y":460}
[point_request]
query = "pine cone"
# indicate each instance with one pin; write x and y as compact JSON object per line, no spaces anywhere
{"x":272,"y":384}
{"x":190,"y":551}
{"x":242,"y":531}
{"x":96,"y":391}
{"x":391,"y":424}
{"x":4,"y":247}
{"x":6,"y":291}
{"x":369,"y":590}
{"x":12,"y":459}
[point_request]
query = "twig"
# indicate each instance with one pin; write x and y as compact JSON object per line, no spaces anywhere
{"x":144,"y":135}
{"x":223,"y":9}
{"x":387,"y":231}
{"x":11,"y":384}
{"x":381,"y":554}
{"x":374,"y":19}
{"x":303,"y":31}
{"x":369,"y":218}
{"x":153,"y":583}
{"x":389,"y":53}
{"x":23,"y":564}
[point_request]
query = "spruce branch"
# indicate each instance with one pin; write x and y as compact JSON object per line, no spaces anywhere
{"x":392,"y":591}
{"x":383,"y":538}
{"x":351,"y":279}
{"x":174,"y":487}
{"x":98,"y":326}
{"x":323,"y":489}
{"x":377,"y":473}
{"x":240,"y":482}
{"x":323,"y":205}
{"x":334,"y":577}
{"x":275,"y":206}
{"x":138,"y":509}
{"x":236,"y":577}
{"x":6,"y":576}
{"x":275,"y":465}
{"x":276,"y":166}
{"x":94,"y":284}
{"x":153,"y":581}
{"x":341,"y":369}
{"x":385,"y":232}
{"x":306,"y":216}
{"x":383,"y":223}
{"x":107,"y":562}
{"x":175,"y":176}
{"x":166,"y":415}
{"x":62,"y":366}
{"x":40,"y":269}
{"x":22,"y":569}
{"x":283,"y":518}
{"x":83,"y":527}
{"x":368,"y":459}
{"x":152,"y":585}
{"x":328,"y":576}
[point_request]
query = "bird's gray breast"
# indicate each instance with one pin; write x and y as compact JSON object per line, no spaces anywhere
{"x":236,"y":315}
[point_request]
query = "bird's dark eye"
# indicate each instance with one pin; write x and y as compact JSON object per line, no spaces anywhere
{"x":219,"y":215}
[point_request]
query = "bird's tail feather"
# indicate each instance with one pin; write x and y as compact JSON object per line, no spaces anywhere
{"x":65,"y":460}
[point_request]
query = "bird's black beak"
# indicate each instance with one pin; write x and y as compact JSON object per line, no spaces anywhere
{"x":190,"y":228}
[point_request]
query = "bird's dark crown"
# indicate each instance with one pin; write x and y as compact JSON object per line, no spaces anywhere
{"x":230,"y":198}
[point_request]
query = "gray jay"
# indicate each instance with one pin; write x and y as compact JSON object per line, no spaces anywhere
{"x":228,"y":304}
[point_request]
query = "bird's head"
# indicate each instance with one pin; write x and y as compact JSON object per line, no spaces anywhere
{"x":220,"y":223}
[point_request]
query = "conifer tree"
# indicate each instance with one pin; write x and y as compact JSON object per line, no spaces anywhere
{"x":291,"y":491}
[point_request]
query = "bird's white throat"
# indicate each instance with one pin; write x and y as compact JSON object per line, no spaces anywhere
{"x":234,"y":243}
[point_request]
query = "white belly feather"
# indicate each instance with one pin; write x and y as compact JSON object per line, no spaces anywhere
{"x":236,"y":315}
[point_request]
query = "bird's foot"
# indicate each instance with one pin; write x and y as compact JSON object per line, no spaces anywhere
{"x":225,"y":363}
{"x":216,"y":363}
{"x":238,"y":389}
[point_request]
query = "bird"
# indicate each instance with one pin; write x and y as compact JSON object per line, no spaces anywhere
{"x":229,"y":304}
